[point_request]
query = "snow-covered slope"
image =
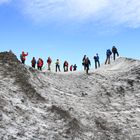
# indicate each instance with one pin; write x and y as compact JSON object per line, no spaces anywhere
{"x":104,"y":105}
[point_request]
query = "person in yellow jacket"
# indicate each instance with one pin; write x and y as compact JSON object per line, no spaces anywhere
{"x":57,"y":64}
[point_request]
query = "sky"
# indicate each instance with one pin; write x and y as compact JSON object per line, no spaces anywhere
{"x":69,"y":29}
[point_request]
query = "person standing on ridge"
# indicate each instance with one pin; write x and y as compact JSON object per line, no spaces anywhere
{"x":83,"y":62}
{"x":114,"y":51}
{"x":42,"y":62}
{"x":65,"y":66}
{"x":96,"y":59}
{"x":57,"y":65}
{"x":33,"y":62}
{"x":74,"y":67}
{"x":49,"y":61}
{"x":23,"y":57}
{"x":87,"y":64}
{"x":108,"y":55}
{"x":39,"y":64}
{"x":71,"y":67}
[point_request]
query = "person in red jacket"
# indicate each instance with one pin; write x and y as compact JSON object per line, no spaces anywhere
{"x":71,"y":67}
{"x":49,"y":61}
{"x":23,"y":57}
{"x":39,"y":64}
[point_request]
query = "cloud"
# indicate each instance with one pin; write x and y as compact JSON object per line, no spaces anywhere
{"x":108,"y":12}
{"x":40,"y":10}
{"x":125,"y":12}
{"x":4,"y":1}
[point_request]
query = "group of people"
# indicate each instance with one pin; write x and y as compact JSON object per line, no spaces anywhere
{"x":66,"y":66}
{"x":109,"y":53}
{"x":85,"y":61}
{"x":40,"y":63}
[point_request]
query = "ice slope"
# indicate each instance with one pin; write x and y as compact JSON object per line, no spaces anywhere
{"x":104,"y":105}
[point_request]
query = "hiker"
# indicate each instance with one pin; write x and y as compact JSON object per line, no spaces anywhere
{"x":65,"y":66}
{"x":108,"y":55}
{"x":114,"y":51}
{"x":87,"y":64}
{"x":39,"y":64}
{"x":74,"y":67}
{"x":96,"y":59}
{"x":83,"y":63}
{"x":71,"y":67}
{"x":49,"y":61}
{"x":23,"y":57}
{"x":33,"y":62}
{"x":57,"y":65}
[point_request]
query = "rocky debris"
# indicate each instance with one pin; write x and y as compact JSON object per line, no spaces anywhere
{"x":14,"y":68}
{"x":104,"y":105}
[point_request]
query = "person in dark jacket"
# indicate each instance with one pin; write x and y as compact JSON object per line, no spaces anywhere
{"x":87,"y":64}
{"x":65,"y":66}
{"x":83,"y":62}
{"x":33,"y":62}
{"x":114,"y":51}
{"x":96,"y":59}
{"x":49,"y":61}
{"x":74,"y":67}
{"x":108,"y":55}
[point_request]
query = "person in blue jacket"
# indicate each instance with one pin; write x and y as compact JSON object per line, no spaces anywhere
{"x":96,"y":59}
{"x":108,"y":55}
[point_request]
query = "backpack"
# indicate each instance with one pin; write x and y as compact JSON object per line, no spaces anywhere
{"x":108,"y":52}
{"x":95,"y":58}
{"x":114,"y":49}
